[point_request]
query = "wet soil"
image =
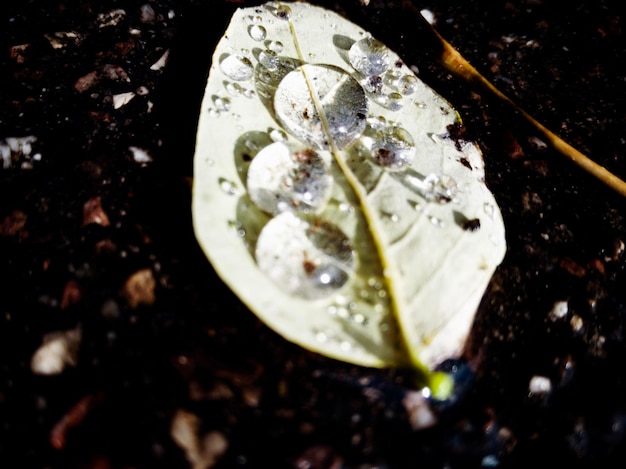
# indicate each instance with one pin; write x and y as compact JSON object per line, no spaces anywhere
{"x":96,"y":239}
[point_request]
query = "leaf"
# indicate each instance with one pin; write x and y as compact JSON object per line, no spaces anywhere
{"x":330,"y":195}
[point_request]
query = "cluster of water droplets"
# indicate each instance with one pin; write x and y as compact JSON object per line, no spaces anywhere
{"x":326,"y":108}
{"x":306,"y":255}
{"x":365,"y":307}
{"x":239,"y":67}
{"x":385,"y":81}
{"x":390,"y":146}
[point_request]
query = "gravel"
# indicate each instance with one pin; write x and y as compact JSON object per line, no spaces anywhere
{"x":119,"y":345}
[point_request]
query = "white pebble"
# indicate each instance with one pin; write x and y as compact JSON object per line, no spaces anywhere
{"x":420,"y":414}
{"x":539,"y":385}
{"x":58,"y":350}
{"x":428,"y":16}
{"x":559,"y":310}
{"x":122,"y":99}
{"x":159,"y":64}
{"x":140,"y":155}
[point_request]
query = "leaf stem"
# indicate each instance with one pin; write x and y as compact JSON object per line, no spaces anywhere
{"x":456,"y":64}
{"x":423,"y":376}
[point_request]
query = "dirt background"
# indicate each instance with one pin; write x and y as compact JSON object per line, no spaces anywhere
{"x":96,"y":239}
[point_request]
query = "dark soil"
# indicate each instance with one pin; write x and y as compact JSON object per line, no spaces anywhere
{"x":96,"y":237}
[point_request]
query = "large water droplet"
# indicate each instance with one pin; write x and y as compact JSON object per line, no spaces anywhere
{"x":280,"y":180}
{"x":236,"y":67}
{"x":369,"y":56}
{"x":305,"y":256}
{"x":342,"y":99}
{"x":393,"y":148}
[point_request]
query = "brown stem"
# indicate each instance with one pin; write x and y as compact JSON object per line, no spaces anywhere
{"x":456,"y":64}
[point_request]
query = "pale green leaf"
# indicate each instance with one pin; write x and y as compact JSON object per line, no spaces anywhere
{"x":330,"y":196}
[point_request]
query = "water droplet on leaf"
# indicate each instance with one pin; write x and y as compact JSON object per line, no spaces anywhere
{"x":392,"y":77}
{"x":236,"y":67}
{"x":369,"y":56}
{"x":346,"y":346}
{"x":280,"y":11}
{"x":440,"y":188}
{"x":233,"y":89}
{"x":268,"y":59}
{"x":373,"y":84}
{"x":222,"y":104}
{"x":393,"y":148}
{"x":275,"y":46}
{"x":321,"y":337}
{"x":407,"y":84}
{"x":489,"y":209}
{"x":277,"y":135}
{"x":359,"y":319}
{"x":279,"y":179}
{"x":228,"y":187}
{"x":264,"y":75}
{"x":306,"y":256}
{"x":393,"y":101}
{"x":438,"y":222}
{"x":341,"y":97}
{"x":375,"y":283}
{"x":377,"y":122}
{"x":257,"y":32}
